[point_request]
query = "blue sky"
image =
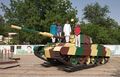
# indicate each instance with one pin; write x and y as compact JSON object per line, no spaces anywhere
{"x":113,"y":7}
{"x":80,"y":4}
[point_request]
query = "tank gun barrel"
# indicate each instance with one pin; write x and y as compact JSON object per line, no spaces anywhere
{"x":41,"y":33}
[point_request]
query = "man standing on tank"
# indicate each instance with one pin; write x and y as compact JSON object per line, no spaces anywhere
{"x":77,"y":31}
{"x":67,"y":31}
{"x":59,"y":31}
{"x":53,"y":30}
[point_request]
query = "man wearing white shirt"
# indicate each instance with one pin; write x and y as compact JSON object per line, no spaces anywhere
{"x":67,"y":31}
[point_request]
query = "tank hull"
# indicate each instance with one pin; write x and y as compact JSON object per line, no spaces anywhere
{"x":70,"y":55}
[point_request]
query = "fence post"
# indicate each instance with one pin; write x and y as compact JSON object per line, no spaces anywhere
{"x":1,"y":54}
{"x":12,"y":50}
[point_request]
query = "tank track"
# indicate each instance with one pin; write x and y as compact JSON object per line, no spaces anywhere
{"x":79,"y":67}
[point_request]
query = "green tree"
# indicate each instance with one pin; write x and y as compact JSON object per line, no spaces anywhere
{"x":99,"y":34}
{"x":37,"y":15}
{"x":101,"y":28}
{"x":96,"y":14}
{"x":2,"y":25}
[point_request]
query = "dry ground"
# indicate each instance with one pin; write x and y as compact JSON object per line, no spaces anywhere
{"x":30,"y":67}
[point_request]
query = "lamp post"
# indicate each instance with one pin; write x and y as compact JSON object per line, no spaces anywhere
{"x":72,"y":21}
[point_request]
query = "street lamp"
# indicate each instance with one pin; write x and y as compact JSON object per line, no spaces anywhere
{"x":72,"y":20}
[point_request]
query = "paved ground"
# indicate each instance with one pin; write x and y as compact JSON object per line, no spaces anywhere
{"x":30,"y":67}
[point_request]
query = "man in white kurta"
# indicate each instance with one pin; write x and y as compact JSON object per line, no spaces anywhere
{"x":67,"y":31}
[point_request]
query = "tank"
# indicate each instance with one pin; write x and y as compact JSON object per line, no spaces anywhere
{"x":88,"y":54}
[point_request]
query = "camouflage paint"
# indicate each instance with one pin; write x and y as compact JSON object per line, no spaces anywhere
{"x":64,"y":50}
{"x":87,"y":50}
{"x":72,"y":50}
{"x":81,"y":38}
{"x":94,"y":50}
{"x":80,"y":50}
{"x":100,"y":50}
{"x":47,"y":52}
{"x":57,"y":48}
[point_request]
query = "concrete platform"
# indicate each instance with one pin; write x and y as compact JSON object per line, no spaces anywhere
{"x":30,"y":66}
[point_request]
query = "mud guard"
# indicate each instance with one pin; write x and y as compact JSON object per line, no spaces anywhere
{"x":39,"y":52}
